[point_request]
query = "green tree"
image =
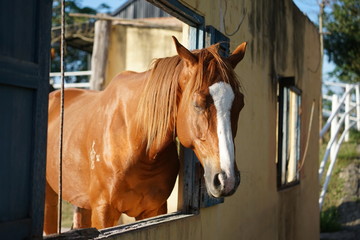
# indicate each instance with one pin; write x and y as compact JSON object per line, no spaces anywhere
{"x":75,"y":59}
{"x":342,"y":43}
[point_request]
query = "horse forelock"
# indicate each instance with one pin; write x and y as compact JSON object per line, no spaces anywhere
{"x":211,"y":68}
{"x":215,"y":65}
{"x":157,"y":110}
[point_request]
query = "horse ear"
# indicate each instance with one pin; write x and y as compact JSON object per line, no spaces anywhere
{"x":184,"y":53}
{"x":237,"y":55}
{"x":216,"y":46}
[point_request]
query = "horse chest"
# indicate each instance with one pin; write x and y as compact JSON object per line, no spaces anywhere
{"x":145,"y":187}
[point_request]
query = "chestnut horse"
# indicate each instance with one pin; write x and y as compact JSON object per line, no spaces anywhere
{"x":120,"y":154}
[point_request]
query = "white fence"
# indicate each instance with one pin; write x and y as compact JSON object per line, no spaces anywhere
{"x":344,"y":115}
{"x":71,"y":74}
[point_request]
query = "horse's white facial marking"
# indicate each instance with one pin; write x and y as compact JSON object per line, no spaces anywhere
{"x":93,"y":156}
{"x":223,"y":97}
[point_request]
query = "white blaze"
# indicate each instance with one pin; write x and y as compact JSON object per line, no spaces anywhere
{"x":223,"y":97}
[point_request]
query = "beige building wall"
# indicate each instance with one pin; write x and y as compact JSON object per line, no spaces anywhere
{"x":133,"y":48}
{"x":281,"y":42}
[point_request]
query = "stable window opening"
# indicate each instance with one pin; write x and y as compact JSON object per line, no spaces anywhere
{"x":189,"y":193}
{"x":289,"y":110}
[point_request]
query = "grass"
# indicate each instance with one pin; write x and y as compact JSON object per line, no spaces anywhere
{"x":329,"y":216}
{"x":330,"y":220}
{"x":67,"y":215}
{"x":355,"y":136}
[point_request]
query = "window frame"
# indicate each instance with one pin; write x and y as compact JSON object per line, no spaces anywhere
{"x":288,"y":85}
{"x":189,"y":175}
{"x":192,"y":191}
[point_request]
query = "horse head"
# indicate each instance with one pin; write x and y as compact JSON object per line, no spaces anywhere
{"x":208,"y":112}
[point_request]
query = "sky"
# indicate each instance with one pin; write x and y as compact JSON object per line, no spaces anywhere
{"x":113,"y":4}
{"x":309,"y":7}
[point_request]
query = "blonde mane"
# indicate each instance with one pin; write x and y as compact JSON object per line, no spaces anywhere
{"x":157,"y":110}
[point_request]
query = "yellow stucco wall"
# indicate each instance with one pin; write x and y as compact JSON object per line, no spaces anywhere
{"x":281,"y":42}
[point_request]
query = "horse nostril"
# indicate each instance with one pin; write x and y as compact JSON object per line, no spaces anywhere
{"x":217,"y":182}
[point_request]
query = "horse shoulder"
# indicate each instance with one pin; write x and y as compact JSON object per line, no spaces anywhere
{"x":71,"y":95}
{"x":148,"y":183}
{"x":122,"y":96}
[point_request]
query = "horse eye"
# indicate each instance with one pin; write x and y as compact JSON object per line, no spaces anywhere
{"x":199,"y":107}
{"x":199,"y":102}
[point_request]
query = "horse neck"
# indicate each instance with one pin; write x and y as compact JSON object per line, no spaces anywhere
{"x":154,"y":149}
{"x":126,"y":89}
{"x":160,"y":143}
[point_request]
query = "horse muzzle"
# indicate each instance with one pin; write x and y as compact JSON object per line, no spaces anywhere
{"x":221,"y":184}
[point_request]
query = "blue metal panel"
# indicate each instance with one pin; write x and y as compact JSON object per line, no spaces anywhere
{"x":177,"y":9}
{"x":215,"y":36}
{"x":16,"y":40}
{"x":24,"y":71}
{"x":19,"y":229}
{"x":16,"y":107}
